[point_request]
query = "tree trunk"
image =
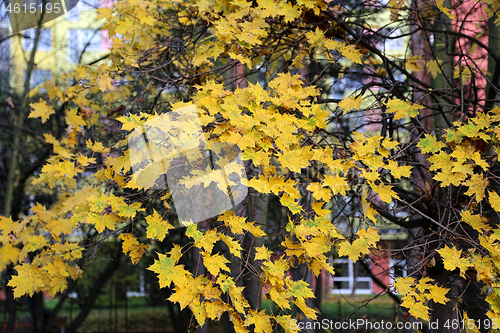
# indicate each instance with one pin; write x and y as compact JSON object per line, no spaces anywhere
{"x":95,"y":291}
{"x":10,"y":302}
{"x":257,"y":211}
{"x":443,"y":46}
{"x":10,"y":187}
{"x":493,"y":65}
{"x":37,"y":310}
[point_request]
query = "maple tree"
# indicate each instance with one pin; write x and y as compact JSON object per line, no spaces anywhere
{"x":429,"y":166}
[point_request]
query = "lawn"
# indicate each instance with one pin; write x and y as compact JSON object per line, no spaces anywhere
{"x":137,"y":316}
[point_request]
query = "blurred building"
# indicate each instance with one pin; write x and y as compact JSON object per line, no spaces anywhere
{"x":65,"y":42}
{"x":361,"y":277}
{"x":4,"y":47}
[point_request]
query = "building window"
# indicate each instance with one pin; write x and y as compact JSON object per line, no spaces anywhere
{"x":38,"y":76}
{"x":82,"y":40}
{"x":351,"y":276}
{"x":44,"y":42}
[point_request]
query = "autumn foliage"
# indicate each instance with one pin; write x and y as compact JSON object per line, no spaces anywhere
{"x":167,"y":55}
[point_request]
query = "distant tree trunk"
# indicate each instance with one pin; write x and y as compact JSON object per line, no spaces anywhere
{"x":443,"y":46}
{"x":493,"y":64}
{"x":318,"y":293}
{"x":12,"y":171}
{"x":36,"y":308}
{"x":10,"y":302}
{"x":257,"y":211}
{"x":424,"y":123}
{"x":88,"y":303}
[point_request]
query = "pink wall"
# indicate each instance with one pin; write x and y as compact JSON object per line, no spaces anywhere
{"x":106,"y":42}
{"x":381,"y":265}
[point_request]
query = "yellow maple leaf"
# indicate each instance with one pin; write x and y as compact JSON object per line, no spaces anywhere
{"x":399,"y":171}
{"x":233,"y":245}
{"x":104,"y":13}
{"x":337,"y":184}
{"x":385,"y":192}
{"x":236,"y":223}
{"x":237,"y":298}
{"x":405,"y":285}
{"x":279,"y":297}
{"x":284,"y":321}
{"x":351,"y":53}
{"x":472,"y":324}
{"x":8,"y":254}
{"x":132,"y":246}
{"x":29,"y":280}
{"x":446,"y":11}
{"x":260,"y":320}
{"x":319,"y":192}
{"x":308,"y":312}
{"x":317,"y":207}
{"x":74,"y":120}
{"x":166,"y":267}
{"x":238,"y":324}
{"x":202,"y":240}
{"x":402,"y":109}
{"x":42,"y":110}
{"x":96,"y":147}
{"x":476,"y":221}
{"x":368,"y":211}
{"x":433,"y":67}
{"x":262,"y":253}
{"x":477,"y":185}
{"x":350,"y":103}
{"x":157,"y":227}
{"x":215,"y":263}
{"x":419,"y":310}
{"x":412,"y":63}
{"x":429,"y":144}
{"x":104,"y":82}
{"x":366,"y":239}
{"x":438,"y":294}
{"x":290,"y":203}
{"x":130,"y":122}
{"x":462,"y":72}
{"x":451,"y":257}
{"x":316,"y":37}
{"x":494,"y":200}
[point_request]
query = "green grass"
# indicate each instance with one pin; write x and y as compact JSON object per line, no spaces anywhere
{"x":344,"y":306}
{"x":138,"y":316}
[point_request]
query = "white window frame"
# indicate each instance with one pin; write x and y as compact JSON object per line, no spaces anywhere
{"x":350,"y":279}
{"x":392,"y":263}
